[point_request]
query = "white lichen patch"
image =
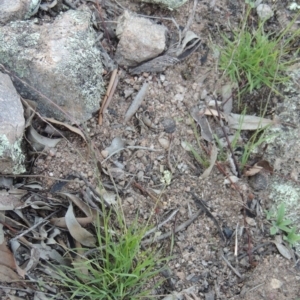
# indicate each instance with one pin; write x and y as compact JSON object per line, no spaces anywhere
{"x":11,"y":155}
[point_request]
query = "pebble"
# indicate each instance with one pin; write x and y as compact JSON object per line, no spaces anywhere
{"x":264,"y":11}
{"x":164,"y":143}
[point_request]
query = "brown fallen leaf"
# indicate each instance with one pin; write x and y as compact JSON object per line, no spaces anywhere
{"x":8,"y":275}
{"x":6,"y":257}
{"x":72,"y":128}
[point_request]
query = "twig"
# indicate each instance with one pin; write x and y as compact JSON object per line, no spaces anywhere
{"x":227,"y":140}
{"x":137,"y":101}
{"x":177,"y":229}
{"x":231,"y":267}
{"x":162,"y":223}
{"x":32,"y":227}
{"x":254,"y":249}
{"x":169,"y":154}
{"x":200,"y":203}
{"x":108,"y":95}
{"x":42,"y":176}
{"x":190,"y":19}
{"x":128,"y":147}
{"x":146,"y":192}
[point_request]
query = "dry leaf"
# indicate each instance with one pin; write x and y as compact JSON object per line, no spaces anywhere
{"x":61,"y":222}
{"x":8,"y":275}
{"x":266,"y":165}
{"x":39,"y":142}
{"x":6,"y":257}
{"x":200,"y":118}
{"x":213,"y":158}
{"x":89,"y":212}
{"x":77,"y":232}
{"x":284,"y":251}
{"x":71,"y":128}
{"x":246,"y":122}
{"x":253,"y":170}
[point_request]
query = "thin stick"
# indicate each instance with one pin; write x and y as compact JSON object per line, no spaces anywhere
{"x":128,"y":147}
{"x":177,"y":229}
{"x":34,"y":226}
{"x":108,"y":95}
{"x":162,"y":223}
{"x":201,"y":204}
{"x":231,"y":267}
{"x":190,"y":20}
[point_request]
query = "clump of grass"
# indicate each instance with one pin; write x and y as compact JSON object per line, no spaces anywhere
{"x":117,"y":269}
{"x":281,"y":224}
{"x":254,"y":58}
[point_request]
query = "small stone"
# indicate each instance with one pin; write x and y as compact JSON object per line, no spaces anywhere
{"x":130,"y":200}
{"x":264,"y":11}
{"x":164,"y":143}
{"x":275,"y":283}
{"x":140,"y":39}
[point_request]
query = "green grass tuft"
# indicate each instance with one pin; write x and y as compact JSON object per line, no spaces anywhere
{"x":117,"y":269}
{"x":254,"y":58}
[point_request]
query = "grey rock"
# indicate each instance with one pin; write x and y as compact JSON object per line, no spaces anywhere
{"x":171,"y":4}
{"x":59,"y":60}
{"x":140,"y":39}
{"x":210,"y":296}
{"x":12,"y":124}
{"x":17,"y":10}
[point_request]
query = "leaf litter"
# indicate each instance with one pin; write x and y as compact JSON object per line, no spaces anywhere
{"x":42,"y":230}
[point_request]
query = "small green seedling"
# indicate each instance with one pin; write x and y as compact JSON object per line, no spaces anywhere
{"x":280,"y":223}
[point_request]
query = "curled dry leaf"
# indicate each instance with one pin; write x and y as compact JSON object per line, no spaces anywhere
{"x":77,"y":232}
{"x":89,"y":212}
{"x":39,"y":142}
{"x":246,"y":122}
{"x":71,"y":128}
{"x":284,"y":251}
{"x":213,"y":158}
{"x":253,"y":170}
{"x":200,"y":118}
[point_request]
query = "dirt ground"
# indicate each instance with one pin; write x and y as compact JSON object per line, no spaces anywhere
{"x":204,"y":253}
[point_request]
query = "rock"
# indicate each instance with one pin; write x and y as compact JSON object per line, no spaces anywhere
{"x":264,"y":11}
{"x":275,"y":284}
{"x":164,"y":143}
{"x":17,"y":10}
{"x":12,"y":125}
{"x":61,"y":65}
{"x":140,"y":40}
{"x":171,"y":4}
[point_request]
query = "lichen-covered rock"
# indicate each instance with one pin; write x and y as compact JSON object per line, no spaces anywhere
{"x":12,"y":10}
{"x":59,"y":60}
{"x":140,"y":40}
{"x":12,"y":124}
